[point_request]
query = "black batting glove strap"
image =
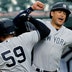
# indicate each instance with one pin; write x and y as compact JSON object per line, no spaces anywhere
{"x":43,"y":29}
{"x":29,"y":10}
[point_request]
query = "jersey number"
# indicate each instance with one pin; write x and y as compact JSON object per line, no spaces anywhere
{"x":19,"y":48}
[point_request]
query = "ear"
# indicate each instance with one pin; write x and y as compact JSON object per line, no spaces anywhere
{"x":52,"y":13}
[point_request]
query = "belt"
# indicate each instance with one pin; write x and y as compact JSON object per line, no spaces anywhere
{"x":39,"y":70}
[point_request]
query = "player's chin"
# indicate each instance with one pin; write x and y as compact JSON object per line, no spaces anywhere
{"x":60,"y":22}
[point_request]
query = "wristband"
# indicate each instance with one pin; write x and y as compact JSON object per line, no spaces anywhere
{"x":29,"y":10}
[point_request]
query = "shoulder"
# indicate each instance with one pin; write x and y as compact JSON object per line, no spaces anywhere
{"x":28,"y":35}
{"x":32,"y":36}
{"x":67,"y":30}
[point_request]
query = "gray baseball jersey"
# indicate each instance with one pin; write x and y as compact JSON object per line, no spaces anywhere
{"x":15,"y":53}
{"x":47,"y":53}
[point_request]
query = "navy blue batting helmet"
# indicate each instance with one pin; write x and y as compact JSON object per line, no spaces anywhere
{"x":6,"y":27}
{"x":60,"y":6}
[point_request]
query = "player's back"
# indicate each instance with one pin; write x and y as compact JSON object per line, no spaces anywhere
{"x":15,"y":53}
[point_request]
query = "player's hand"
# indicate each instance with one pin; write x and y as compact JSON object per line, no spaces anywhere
{"x":38,"y":5}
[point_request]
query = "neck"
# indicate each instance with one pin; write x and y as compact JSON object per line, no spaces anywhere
{"x":5,"y":38}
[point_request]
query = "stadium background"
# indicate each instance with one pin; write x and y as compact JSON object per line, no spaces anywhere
{"x":10,"y":8}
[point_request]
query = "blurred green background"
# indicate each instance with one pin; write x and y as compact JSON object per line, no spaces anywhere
{"x":10,"y":8}
{"x":16,"y":5}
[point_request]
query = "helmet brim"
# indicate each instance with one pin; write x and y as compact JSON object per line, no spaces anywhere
{"x":63,"y":9}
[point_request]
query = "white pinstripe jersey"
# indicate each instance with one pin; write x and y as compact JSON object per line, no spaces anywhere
{"x":15,"y":53}
{"x":47,"y":53}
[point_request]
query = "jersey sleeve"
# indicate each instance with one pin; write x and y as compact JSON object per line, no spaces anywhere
{"x":30,"y":37}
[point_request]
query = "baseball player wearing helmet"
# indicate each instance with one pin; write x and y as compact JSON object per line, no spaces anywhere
{"x":15,"y":52}
{"x":47,"y":53}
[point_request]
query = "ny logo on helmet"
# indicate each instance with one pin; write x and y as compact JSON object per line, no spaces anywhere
{"x":64,"y":5}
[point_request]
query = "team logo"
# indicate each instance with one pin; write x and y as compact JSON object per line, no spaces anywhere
{"x":64,"y":5}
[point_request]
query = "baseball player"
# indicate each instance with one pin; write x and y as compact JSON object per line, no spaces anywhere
{"x":47,"y":53}
{"x":15,"y":52}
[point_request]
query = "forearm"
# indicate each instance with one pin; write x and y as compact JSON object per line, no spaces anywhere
{"x":27,"y":11}
{"x":17,"y":20}
{"x":42,"y":28}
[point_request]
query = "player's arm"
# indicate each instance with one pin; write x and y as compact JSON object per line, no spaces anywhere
{"x":42,"y":28}
{"x":36,"y":6}
{"x":23,"y":17}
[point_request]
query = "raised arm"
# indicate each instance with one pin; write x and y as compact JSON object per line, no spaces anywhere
{"x":42,"y":28}
{"x":22,"y":25}
{"x":24,"y":16}
{"x":36,"y":6}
